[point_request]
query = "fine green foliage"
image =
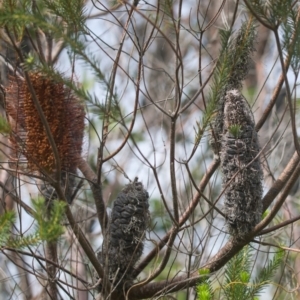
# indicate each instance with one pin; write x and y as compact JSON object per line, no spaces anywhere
{"x":49,"y":226}
{"x":233,"y":63}
{"x":237,"y":283}
{"x":223,"y":68}
{"x":265,"y":275}
{"x":71,"y":12}
{"x":4,"y":126}
{"x":237,"y":275}
{"x":11,"y":241}
{"x":204,"y":289}
{"x":273,"y":12}
{"x":280,"y":15}
{"x":23,"y":242}
{"x":49,"y":222}
{"x":6,"y":221}
{"x":235,"y":130}
{"x":291,"y":28}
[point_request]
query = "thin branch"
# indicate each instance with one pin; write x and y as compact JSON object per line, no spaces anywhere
{"x":281,"y":181}
{"x":184,"y":217}
{"x":96,"y":188}
{"x":109,"y":97}
{"x":278,"y":226}
{"x":293,"y":178}
{"x":281,"y":80}
{"x":27,"y":208}
{"x":266,"y":24}
{"x":200,"y":90}
{"x":129,"y":130}
{"x":288,"y":90}
{"x":42,"y":258}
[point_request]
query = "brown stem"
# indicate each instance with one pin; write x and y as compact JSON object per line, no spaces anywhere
{"x":281,"y":181}
{"x":291,"y":181}
{"x":27,"y":208}
{"x":109,"y":97}
{"x":288,"y":91}
{"x":96,"y":190}
{"x":280,"y":225}
{"x":136,"y":102}
{"x":51,"y":255}
{"x":21,"y":253}
{"x":83,"y":241}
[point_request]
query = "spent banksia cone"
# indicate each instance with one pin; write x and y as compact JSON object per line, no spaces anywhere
{"x":127,"y":226}
{"x":64,"y":114}
{"x":242,"y":173}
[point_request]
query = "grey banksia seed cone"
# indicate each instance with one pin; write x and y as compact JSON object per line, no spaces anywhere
{"x":127,"y":226}
{"x":242,"y":173}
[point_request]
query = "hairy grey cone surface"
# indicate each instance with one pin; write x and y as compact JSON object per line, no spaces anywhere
{"x":242,"y":172}
{"x":126,"y":233}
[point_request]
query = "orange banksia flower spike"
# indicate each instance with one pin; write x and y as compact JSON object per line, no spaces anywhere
{"x":64,"y":114}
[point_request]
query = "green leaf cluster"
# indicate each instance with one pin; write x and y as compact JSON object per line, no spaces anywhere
{"x":281,"y":14}
{"x":49,"y":219}
{"x":5,"y":225}
{"x":232,"y":66}
{"x":24,"y":241}
{"x":272,"y":12}
{"x":291,"y":31}
{"x":237,"y":283}
{"x":71,"y":11}
{"x":49,"y":226}
{"x":4,"y":126}
{"x":204,"y":289}
{"x":235,"y":130}
{"x":7,"y":239}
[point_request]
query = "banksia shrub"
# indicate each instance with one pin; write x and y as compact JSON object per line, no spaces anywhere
{"x":64,"y":114}
{"x":126,"y":233}
{"x":242,"y":173}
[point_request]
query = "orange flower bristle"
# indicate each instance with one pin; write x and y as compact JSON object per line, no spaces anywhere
{"x":64,"y":114}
